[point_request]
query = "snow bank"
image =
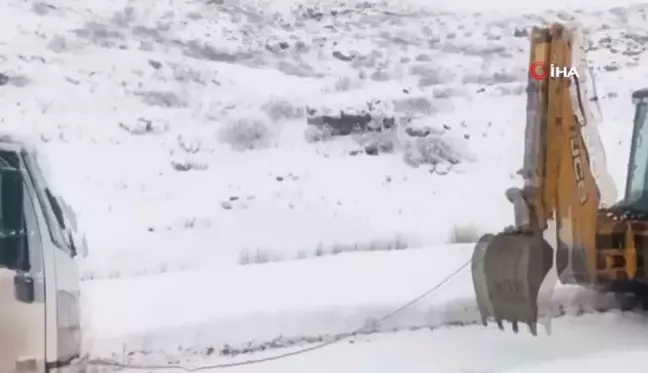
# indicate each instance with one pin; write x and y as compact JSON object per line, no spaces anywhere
{"x":588,"y":343}
{"x":211,"y":308}
{"x":234,"y":311}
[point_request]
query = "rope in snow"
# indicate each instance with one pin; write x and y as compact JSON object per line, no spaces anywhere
{"x":121,"y":366}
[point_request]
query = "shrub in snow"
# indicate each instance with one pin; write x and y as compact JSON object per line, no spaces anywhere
{"x":100,"y":34}
{"x":493,"y":78}
{"x":429,"y":74}
{"x":184,"y":74}
{"x":296,"y":68}
{"x":201,"y":50}
{"x":380,"y":76}
{"x":464,"y":233}
{"x":380,"y":142}
{"x":245,"y":134}
{"x":485,"y":50}
{"x":342,"y":84}
{"x":41,"y":8}
{"x":125,"y":17}
{"x":414,"y":105}
{"x":317,"y":134}
{"x":398,"y":242}
{"x":58,"y":44}
{"x":258,"y":256}
{"x":161,"y":98}
{"x":434,"y":149}
{"x":189,"y":144}
{"x":343,"y":124}
{"x":15,"y":80}
{"x":281,"y":109}
{"x":450,"y":92}
{"x":185,"y":164}
{"x":142,"y":126}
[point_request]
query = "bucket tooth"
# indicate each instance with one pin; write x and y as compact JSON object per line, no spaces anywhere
{"x":533,"y":328}
{"x":508,"y":270}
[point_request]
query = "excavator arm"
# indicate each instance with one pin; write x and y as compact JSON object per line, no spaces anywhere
{"x":556,"y":209}
{"x":567,"y":191}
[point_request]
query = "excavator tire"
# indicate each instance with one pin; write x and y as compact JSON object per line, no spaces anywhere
{"x":507,"y":271}
{"x":630,"y":295}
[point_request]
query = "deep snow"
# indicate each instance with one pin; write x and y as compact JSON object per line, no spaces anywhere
{"x":240,"y":311}
{"x":592,"y":343}
{"x":179,"y":130}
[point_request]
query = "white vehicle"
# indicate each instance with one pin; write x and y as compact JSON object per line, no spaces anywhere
{"x":40,"y":323}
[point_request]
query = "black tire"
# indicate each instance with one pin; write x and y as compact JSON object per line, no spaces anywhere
{"x":630,"y":295}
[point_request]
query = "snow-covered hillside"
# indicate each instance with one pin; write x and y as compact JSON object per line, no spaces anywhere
{"x":185,"y":134}
{"x":590,"y":343}
{"x":183,"y":124}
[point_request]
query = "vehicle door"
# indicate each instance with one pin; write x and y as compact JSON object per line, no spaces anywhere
{"x":66,"y":290}
{"x":22,"y":276}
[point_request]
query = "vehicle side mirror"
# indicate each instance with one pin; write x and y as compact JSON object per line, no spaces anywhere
{"x":73,"y":249}
{"x":24,"y":288}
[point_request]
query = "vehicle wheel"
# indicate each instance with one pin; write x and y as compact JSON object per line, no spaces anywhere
{"x":630,"y":295}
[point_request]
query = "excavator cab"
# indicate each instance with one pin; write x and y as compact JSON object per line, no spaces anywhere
{"x":636,"y":193}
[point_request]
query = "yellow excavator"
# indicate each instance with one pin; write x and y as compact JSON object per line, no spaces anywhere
{"x":563,"y":232}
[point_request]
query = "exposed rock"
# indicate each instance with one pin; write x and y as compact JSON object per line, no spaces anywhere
{"x":346,"y":124}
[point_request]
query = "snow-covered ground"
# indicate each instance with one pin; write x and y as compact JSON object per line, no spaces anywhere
{"x":234,"y":317}
{"x":590,"y":343}
{"x":220,"y":222}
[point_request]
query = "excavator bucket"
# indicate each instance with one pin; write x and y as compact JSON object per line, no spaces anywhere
{"x":508,"y":270}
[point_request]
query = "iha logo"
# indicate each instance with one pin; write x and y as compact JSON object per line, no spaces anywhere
{"x":539,"y":71}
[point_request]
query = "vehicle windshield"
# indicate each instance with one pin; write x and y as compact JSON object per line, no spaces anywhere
{"x":636,"y":189}
{"x":13,"y":238}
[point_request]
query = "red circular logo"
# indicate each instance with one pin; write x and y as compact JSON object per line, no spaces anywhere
{"x":539,"y":70}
